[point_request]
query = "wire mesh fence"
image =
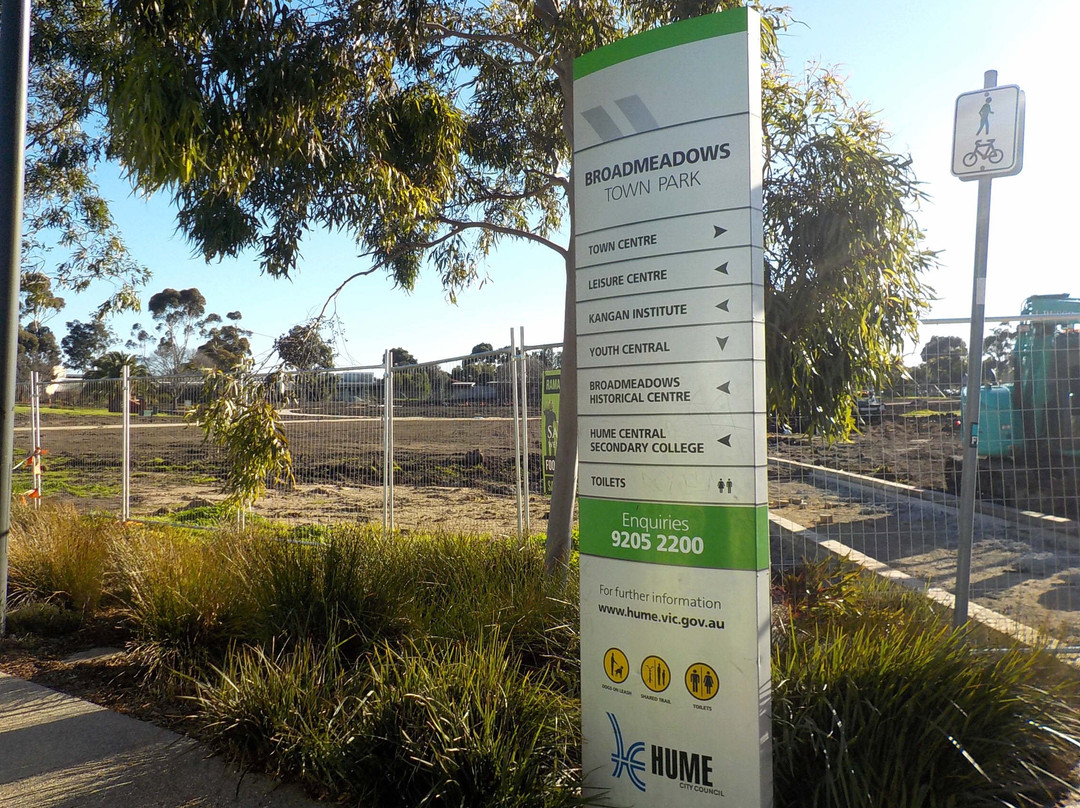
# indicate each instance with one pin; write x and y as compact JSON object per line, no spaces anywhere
{"x":461,"y":444}
{"x":892,"y":491}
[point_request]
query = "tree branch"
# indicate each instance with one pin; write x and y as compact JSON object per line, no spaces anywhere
{"x":461,"y":226}
{"x":449,"y":33}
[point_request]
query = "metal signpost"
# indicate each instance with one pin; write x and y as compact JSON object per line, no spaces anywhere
{"x":14,"y":58}
{"x":673,"y":497}
{"x":988,"y":142}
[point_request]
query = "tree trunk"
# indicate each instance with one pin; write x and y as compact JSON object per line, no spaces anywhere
{"x":564,"y":486}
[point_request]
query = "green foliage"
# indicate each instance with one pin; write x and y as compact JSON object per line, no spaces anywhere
{"x":85,"y":342}
{"x":878,"y":702}
{"x":185,"y":596}
{"x":64,"y":210}
{"x":111,"y":366}
{"x":60,"y":556}
{"x":43,"y":620}
{"x":37,"y":351}
{"x":348,"y":583}
{"x":303,"y":348}
{"x":237,"y":416}
{"x":843,"y":258}
{"x":944,"y":362}
{"x":457,"y":725}
{"x":462,"y":725}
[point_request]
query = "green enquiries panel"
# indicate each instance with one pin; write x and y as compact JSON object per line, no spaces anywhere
{"x":719,"y":536}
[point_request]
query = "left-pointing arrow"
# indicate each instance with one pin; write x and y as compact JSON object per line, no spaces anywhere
{"x":724,"y":306}
{"x":726,"y":440}
{"x":724,"y":388}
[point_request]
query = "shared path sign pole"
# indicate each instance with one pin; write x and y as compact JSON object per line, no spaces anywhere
{"x":988,"y":142}
{"x":14,"y":58}
{"x":672,"y":482}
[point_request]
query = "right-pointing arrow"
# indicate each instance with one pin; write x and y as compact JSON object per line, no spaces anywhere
{"x":726,"y":440}
{"x":723,"y":342}
{"x":718,"y":231}
{"x":725,"y":388}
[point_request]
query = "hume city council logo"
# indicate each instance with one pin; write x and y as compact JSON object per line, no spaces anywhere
{"x":626,"y":760}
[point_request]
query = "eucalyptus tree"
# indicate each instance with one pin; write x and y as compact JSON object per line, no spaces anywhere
{"x":85,"y":342}
{"x":69,"y":235}
{"x":433,"y":131}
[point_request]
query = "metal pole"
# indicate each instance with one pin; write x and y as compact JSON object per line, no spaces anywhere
{"x":970,"y":472}
{"x":14,"y":65}
{"x":35,"y":436}
{"x":125,"y":448}
{"x":386,"y":444}
{"x":517,"y":431}
{"x":525,"y":431}
{"x":390,"y":439}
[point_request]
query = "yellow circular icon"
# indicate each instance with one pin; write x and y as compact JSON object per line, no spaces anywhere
{"x":616,"y":665}
{"x":656,"y":674}
{"x":702,"y":681}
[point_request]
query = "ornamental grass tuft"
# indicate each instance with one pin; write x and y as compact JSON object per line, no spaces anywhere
{"x":59,"y":556}
{"x":451,"y":724}
{"x":898,"y":709}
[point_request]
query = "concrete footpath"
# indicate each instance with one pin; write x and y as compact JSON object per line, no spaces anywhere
{"x":57,"y":751}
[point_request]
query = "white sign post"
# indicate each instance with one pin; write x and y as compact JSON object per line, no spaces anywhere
{"x":988,"y":142}
{"x":673,"y":497}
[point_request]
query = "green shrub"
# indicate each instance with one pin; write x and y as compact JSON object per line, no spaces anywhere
{"x":910,"y":716}
{"x":454,"y":725}
{"x":339,"y":585}
{"x":463,"y":725}
{"x":470,"y":587}
{"x":289,"y":713}
{"x":60,"y":556}
{"x":186,"y":595}
{"x":43,"y":620}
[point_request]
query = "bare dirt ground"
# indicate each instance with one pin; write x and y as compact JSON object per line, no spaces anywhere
{"x":454,"y":471}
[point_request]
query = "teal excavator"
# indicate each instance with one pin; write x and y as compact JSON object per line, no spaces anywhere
{"x":1029,"y":427}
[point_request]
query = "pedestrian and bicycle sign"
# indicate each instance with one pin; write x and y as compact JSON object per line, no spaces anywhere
{"x":988,"y":133}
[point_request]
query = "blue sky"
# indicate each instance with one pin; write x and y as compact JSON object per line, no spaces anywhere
{"x":908,"y":60}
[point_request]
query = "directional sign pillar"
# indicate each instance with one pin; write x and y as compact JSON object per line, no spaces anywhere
{"x":672,"y":480}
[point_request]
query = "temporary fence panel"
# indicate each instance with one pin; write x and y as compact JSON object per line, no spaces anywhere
{"x":453,"y":447}
{"x":891,"y":492}
{"x":80,"y":443}
{"x":173,"y":469}
{"x":333,"y":422}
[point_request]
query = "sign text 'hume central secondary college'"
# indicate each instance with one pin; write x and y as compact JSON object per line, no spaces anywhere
{"x":671,"y":388}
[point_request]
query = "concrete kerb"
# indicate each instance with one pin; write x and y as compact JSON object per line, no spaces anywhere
{"x":787,"y":531}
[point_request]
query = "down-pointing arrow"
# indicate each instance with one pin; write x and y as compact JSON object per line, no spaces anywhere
{"x":725,"y":388}
{"x":726,"y":440}
{"x":723,"y":342}
{"x":722,"y":268}
{"x":718,"y":231}
{"x":724,"y":305}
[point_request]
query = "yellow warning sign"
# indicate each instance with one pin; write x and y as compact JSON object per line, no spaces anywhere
{"x":616,"y":665}
{"x":702,"y":681}
{"x":656,"y":674}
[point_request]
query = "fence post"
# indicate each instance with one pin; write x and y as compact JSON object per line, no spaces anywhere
{"x":388,"y":442}
{"x":125,"y":444}
{"x":517,"y":432}
{"x":525,"y":431}
{"x":35,"y":436}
